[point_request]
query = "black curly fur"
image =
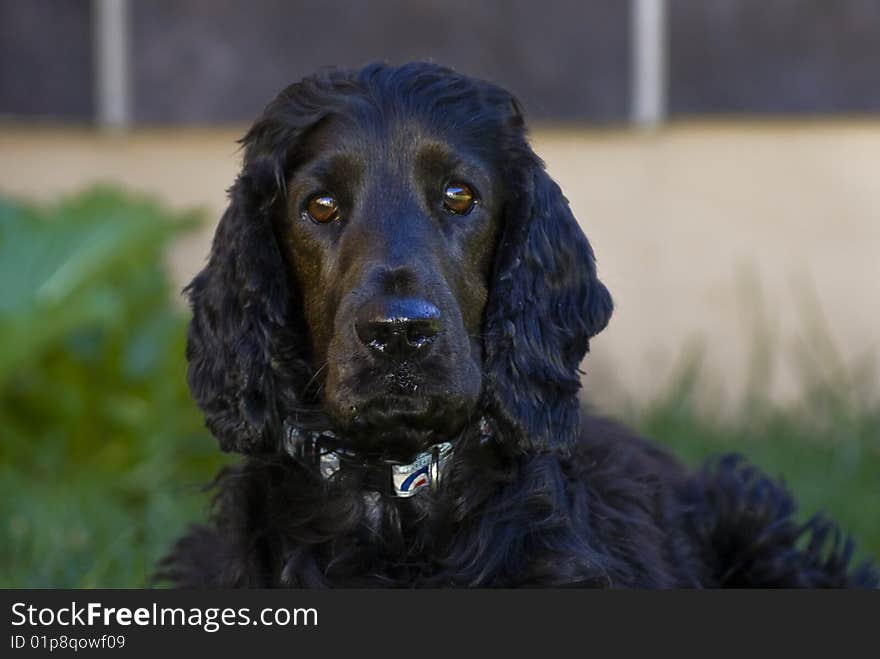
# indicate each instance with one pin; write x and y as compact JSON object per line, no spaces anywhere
{"x":555,"y":498}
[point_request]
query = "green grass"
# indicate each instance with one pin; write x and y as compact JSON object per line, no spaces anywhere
{"x":825,"y":447}
{"x":103,"y":454}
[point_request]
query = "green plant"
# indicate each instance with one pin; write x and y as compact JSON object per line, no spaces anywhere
{"x":98,"y":430}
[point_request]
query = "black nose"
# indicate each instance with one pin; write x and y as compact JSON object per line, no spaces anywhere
{"x":398,"y":328}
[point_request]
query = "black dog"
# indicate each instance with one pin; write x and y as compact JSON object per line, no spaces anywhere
{"x":390,"y":327}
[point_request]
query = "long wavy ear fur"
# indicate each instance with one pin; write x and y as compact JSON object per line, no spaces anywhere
{"x":246,"y":346}
{"x":545,"y":304}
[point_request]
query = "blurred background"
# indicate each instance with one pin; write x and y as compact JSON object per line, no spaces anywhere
{"x":723,"y":157}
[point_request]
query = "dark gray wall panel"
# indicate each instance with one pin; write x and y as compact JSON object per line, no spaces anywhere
{"x":222,"y":60}
{"x":774,"y":56}
{"x":46,"y":59}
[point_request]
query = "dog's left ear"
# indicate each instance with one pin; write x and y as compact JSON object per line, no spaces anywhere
{"x":545,"y":304}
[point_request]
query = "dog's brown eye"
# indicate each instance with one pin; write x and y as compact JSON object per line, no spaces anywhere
{"x":323,"y":208}
{"x":458,"y":198}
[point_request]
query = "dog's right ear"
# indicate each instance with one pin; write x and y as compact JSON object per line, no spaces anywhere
{"x":240,"y":304}
{"x":246,"y":346}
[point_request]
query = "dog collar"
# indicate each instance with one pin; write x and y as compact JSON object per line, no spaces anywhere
{"x":328,"y":454}
{"x":324,"y":450}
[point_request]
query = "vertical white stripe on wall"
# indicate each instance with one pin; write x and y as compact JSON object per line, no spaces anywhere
{"x":648,"y":48}
{"x":111,"y":63}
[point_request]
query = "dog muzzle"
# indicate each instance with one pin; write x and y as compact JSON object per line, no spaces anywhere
{"x":328,"y":454}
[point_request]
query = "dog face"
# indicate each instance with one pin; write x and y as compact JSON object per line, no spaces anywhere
{"x":394,"y":263}
{"x":390,"y":230}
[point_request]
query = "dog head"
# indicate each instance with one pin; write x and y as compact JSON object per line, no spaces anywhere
{"x":394,"y":263}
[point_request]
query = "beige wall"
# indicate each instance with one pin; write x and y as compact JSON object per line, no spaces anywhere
{"x":703,"y":232}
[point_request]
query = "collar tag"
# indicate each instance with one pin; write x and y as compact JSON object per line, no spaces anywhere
{"x":425,"y":470}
